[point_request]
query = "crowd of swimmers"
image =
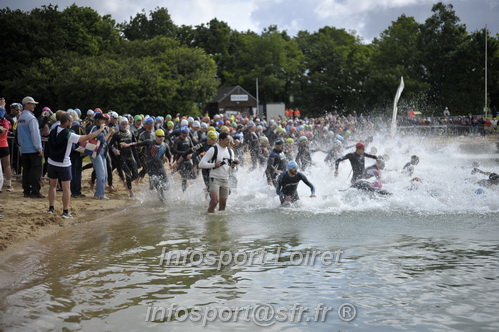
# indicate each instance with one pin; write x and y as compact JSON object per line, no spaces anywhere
{"x":213,"y":148}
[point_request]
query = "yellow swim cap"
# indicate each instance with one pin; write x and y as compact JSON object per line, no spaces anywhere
{"x":212,"y":134}
{"x":159,"y":132}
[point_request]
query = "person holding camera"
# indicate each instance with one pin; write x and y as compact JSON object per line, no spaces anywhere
{"x":218,"y":160}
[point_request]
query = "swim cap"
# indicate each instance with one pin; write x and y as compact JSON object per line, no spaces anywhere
{"x":290,"y":140}
{"x":479,"y":191}
{"x":211,"y":129}
{"x":278,"y":141}
{"x":123,"y":119}
{"x":292,"y":164}
{"x":148,"y":120}
{"x":493,"y":176}
{"x":212,"y":134}
{"x":302,"y":139}
{"x":377,"y":184}
{"x":137,"y":118}
{"x":184,"y":122}
{"x":195,"y":124}
{"x":360,"y":145}
{"x":263,"y":139}
{"x":159,"y":132}
{"x":169,"y":124}
{"x":340,"y":138}
{"x":224,"y":129}
{"x":184,"y":129}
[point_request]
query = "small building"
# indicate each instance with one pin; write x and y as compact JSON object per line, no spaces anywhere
{"x":232,"y":100}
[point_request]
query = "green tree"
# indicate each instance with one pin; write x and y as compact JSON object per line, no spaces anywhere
{"x":394,"y":54}
{"x":441,"y":39}
{"x":336,"y":66}
{"x":141,"y":27}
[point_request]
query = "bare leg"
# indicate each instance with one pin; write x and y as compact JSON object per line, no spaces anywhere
{"x":66,"y":194}
{"x":213,"y":202}
{"x":52,"y":189}
{"x":222,"y":204}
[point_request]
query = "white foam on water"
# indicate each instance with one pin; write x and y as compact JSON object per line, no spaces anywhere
{"x":447,"y":186}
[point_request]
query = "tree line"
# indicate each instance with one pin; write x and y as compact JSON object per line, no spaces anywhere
{"x":78,"y":58}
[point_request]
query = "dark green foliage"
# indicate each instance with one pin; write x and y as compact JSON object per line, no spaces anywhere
{"x":77,"y":58}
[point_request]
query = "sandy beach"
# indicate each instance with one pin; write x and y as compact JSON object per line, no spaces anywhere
{"x":27,"y":218}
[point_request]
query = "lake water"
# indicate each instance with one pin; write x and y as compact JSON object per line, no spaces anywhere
{"x":420,"y":260}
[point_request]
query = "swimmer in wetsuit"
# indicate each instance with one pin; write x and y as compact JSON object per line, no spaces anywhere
{"x":197,"y":152}
{"x":409,"y":167}
{"x":357,"y":161}
{"x":374,"y":187}
{"x":157,"y":153}
{"x":288,"y":183}
{"x":491,"y":181}
{"x":375,"y":170}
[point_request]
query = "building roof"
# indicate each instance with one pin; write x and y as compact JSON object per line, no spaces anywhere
{"x":226,"y":92}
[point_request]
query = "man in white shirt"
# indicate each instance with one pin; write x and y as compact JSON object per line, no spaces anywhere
{"x":218,"y":160}
{"x":60,"y":142}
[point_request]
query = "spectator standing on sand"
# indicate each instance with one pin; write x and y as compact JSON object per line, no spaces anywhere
{"x":31,"y":149}
{"x":60,"y":143}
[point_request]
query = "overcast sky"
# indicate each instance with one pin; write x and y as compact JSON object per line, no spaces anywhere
{"x":367,"y":17}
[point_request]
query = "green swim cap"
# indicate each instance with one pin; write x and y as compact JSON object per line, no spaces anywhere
{"x":137,"y":118}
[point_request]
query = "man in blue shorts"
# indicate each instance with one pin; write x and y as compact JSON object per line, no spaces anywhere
{"x":60,"y":143}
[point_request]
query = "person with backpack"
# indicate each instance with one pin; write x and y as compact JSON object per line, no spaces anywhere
{"x":219,"y":160}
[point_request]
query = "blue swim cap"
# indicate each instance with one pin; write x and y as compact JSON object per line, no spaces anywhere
{"x":479,"y":191}
{"x":184,"y":129}
{"x":292,"y":164}
{"x":148,"y":120}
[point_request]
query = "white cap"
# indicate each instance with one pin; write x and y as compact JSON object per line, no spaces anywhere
{"x":29,"y":100}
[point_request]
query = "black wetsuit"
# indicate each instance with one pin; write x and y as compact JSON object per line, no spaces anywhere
{"x":143,"y":135}
{"x":185,"y":169}
{"x":287,"y":185}
{"x":128,"y":156}
{"x":304,"y":156}
{"x":277,"y":162}
{"x":154,"y":164}
{"x":358,"y":163}
{"x":196,"y":151}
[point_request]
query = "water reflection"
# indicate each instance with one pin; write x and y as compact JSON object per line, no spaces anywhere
{"x":401,"y":271}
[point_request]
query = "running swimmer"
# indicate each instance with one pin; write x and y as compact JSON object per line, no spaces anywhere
{"x":276,"y":163}
{"x":127,"y":157}
{"x":369,"y":187}
{"x":409,"y":167}
{"x":182,"y":144}
{"x":493,"y":180}
{"x":357,"y":160}
{"x":197,"y":152}
{"x":288,"y":183}
{"x":157,"y":153}
{"x":375,"y":170}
